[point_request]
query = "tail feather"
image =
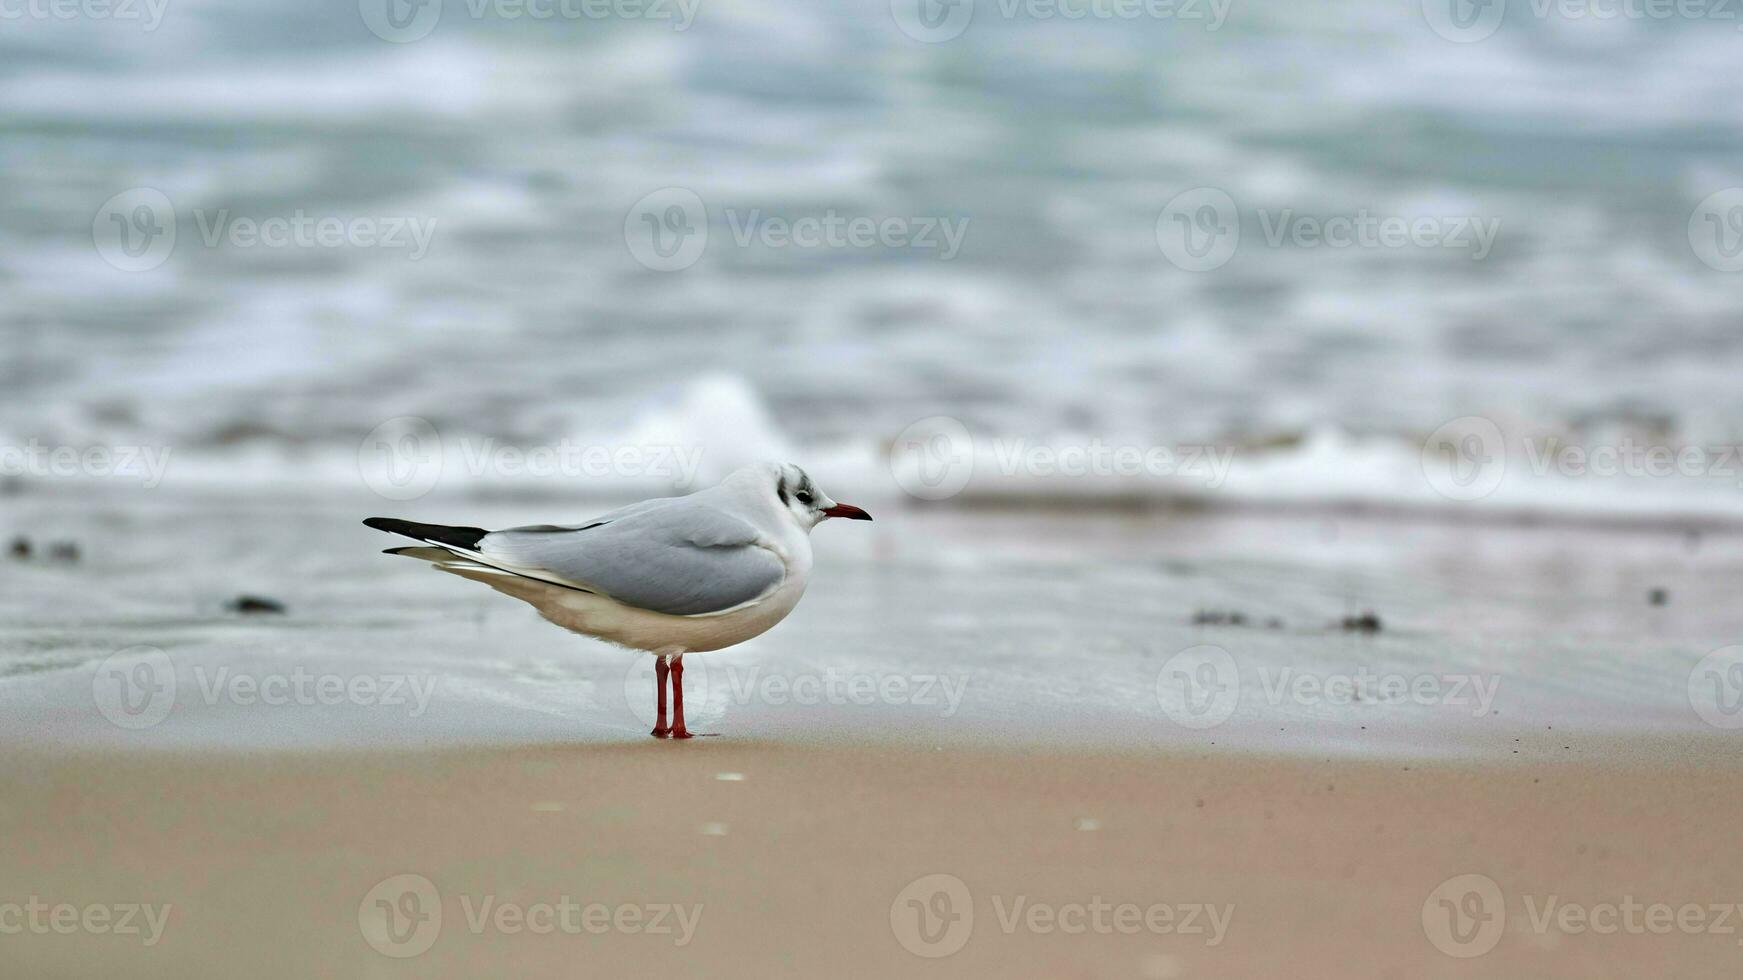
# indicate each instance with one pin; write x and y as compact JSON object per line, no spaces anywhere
{"x":426,"y":552}
{"x":458,"y":537}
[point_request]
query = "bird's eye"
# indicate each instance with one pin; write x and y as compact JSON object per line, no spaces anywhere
{"x":804,"y":496}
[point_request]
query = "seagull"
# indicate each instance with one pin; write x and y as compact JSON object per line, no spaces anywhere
{"x":669,"y":576}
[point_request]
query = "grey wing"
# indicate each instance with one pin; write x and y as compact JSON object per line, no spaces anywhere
{"x":677,"y":556}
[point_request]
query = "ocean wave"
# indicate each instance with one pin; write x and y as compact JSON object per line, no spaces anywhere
{"x":1628,"y":472}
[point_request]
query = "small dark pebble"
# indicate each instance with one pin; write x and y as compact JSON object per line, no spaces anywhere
{"x":64,"y":551}
{"x":255,"y":605}
{"x":1365,"y":623}
{"x":21,"y":548}
{"x":1218,"y":617}
{"x":1658,"y":597}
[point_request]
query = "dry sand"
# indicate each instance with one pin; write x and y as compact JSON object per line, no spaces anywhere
{"x":1316,"y":868}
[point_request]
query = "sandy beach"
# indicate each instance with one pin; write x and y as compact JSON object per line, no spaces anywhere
{"x":783,"y":859}
{"x":968,"y":758}
{"x":1302,"y":441}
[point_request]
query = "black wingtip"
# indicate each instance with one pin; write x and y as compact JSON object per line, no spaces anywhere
{"x":459,"y":537}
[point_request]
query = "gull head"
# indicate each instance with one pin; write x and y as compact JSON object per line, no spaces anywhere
{"x":793,"y":491}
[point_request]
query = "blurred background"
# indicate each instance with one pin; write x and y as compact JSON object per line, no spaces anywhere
{"x":1198,"y":359}
{"x":254,"y":232}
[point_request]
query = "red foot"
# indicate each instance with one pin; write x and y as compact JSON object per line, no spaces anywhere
{"x":681,"y":733}
{"x":661,"y":732}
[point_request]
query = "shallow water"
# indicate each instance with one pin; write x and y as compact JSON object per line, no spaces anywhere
{"x":1014,"y":625}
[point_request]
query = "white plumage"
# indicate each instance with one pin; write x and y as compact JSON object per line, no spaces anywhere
{"x":670,"y":576}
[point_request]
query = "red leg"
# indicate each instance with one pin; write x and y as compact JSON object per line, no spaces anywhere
{"x":660,"y":669}
{"x":678,"y":729}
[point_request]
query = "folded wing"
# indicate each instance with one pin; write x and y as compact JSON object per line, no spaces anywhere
{"x":674,"y":556}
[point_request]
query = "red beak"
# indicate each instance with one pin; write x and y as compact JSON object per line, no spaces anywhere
{"x":848,"y":511}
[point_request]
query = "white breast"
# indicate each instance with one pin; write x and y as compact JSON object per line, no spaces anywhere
{"x":640,"y":629}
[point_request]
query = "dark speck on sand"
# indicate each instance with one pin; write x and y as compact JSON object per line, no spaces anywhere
{"x":256,"y":605}
{"x":1367,"y":622}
